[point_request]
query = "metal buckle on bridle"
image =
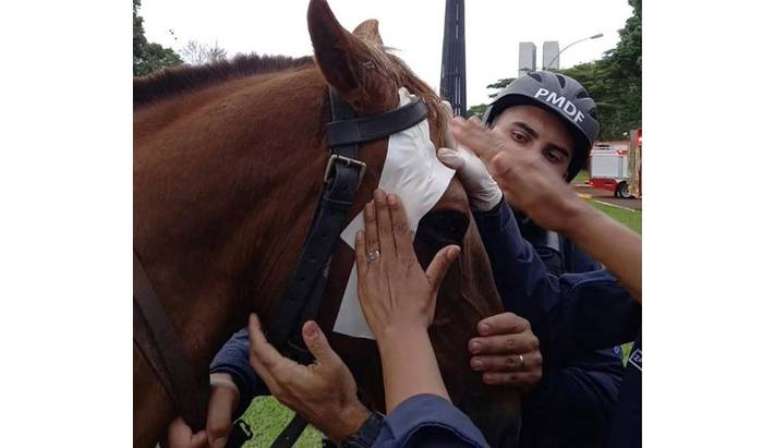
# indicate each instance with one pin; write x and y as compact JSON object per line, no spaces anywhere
{"x":347,"y":162}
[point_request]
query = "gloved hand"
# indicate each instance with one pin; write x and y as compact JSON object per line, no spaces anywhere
{"x":482,"y":190}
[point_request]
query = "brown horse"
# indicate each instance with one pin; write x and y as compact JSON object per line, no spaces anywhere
{"x":228,"y":164}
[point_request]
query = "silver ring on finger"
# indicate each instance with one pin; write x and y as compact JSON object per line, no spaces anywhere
{"x":373,"y":255}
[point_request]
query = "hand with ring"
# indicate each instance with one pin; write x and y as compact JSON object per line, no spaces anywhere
{"x":398,"y":300}
{"x":507,"y":352}
{"x":395,"y":292}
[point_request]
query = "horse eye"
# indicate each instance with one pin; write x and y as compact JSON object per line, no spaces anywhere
{"x":442,"y":228}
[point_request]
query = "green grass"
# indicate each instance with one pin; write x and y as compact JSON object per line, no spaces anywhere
{"x":631,"y":219}
{"x":267,"y":418}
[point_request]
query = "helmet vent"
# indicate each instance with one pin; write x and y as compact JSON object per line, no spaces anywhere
{"x":562,"y":81}
{"x":535,"y":76}
{"x":593,"y":112}
{"x":582,"y":94}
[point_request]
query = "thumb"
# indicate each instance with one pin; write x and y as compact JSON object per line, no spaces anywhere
{"x":223,"y":402}
{"x":440,"y":264}
{"x":318,"y":344}
{"x":451,"y":158}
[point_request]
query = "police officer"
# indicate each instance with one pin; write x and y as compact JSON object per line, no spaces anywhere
{"x":536,"y":136}
{"x":588,"y":379}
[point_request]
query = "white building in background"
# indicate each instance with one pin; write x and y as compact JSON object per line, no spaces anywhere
{"x":551,"y":55}
{"x":527,"y":57}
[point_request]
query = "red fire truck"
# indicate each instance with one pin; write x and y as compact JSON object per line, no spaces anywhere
{"x":617,"y":166}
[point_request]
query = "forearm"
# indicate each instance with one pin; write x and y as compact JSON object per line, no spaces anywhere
{"x":517,"y":268}
{"x":409,"y":366}
{"x":609,"y":242}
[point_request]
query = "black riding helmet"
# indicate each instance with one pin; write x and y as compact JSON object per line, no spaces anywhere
{"x":561,"y":95}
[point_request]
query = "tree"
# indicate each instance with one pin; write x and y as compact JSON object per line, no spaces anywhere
{"x":149,"y":57}
{"x":197,"y":53}
{"x":477,"y":110}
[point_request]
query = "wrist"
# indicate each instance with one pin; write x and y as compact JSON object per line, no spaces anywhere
{"x":578,"y":214}
{"x":352,"y":419}
{"x":486,"y":201}
{"x":397,"y":336}
{"x":367,"y":434}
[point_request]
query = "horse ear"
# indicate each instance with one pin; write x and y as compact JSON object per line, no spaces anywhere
{"x":369,"y":32}
{"x":351,"y":63}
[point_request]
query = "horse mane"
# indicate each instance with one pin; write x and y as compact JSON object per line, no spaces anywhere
{"x":416,"y":86}
{"x":175,"y":80}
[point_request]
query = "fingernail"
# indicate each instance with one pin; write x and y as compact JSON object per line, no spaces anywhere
{"x":359,"y":235}
{"x":392,"y":199}
{"x":475,"y":346}
{"x":477,"y":364}
{"x":310,"y":330}
{"x":485,"y":328}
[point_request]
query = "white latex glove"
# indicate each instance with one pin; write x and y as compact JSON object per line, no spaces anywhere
{"x":482,"y":190}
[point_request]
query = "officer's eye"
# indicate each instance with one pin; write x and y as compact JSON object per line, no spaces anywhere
{"x":519,"y":137}
{"x":554,"y":155}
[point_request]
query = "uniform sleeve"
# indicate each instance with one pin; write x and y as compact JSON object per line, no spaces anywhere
{"x":234,"y":358}
{"x":573,"y":405}
{"x":588,"y":310}
{"x":428,"y":421}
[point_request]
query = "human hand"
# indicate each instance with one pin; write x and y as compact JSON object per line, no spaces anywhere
{"x":224,"y":400}
{"x":507,"y":352}
{"x":481,"y":188}
{"x":396,"y":295}
{"x":524,"y":176}
{"x":324,"y":393}
{"x":222,"y":405}
{"x":179,"y":435}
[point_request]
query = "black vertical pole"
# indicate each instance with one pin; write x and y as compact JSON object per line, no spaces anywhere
{"x":453,"y":61}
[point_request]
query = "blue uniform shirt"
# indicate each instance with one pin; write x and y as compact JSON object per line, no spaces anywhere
{"x":428,"y":421}
{"x":569,"y":313}
{"x":576,"y":308}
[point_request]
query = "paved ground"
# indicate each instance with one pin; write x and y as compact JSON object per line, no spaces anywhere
{"x":607,"y":196}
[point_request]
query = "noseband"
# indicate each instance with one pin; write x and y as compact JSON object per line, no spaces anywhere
{"x":156,"y":338}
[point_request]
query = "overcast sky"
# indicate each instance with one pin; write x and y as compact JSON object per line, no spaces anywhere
{"x":493,"y":30}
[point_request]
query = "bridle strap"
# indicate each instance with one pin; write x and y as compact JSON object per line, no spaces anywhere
{"x":161,"y":346}
{"x":360,"y":130}
{"x":307,"y":284}
{"x":343,"y":176}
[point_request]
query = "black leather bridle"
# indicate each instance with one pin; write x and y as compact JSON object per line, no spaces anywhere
{"x":160,"y":344}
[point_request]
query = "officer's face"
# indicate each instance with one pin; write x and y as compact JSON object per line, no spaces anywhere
{"x":535,"y":129}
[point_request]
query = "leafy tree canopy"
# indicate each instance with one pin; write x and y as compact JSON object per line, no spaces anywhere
{"x":148,"y":56}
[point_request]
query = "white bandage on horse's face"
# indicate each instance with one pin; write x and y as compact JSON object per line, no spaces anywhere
{"x":413,"y":172}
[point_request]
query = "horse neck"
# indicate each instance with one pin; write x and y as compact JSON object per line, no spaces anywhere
{"x":223,"y":190}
